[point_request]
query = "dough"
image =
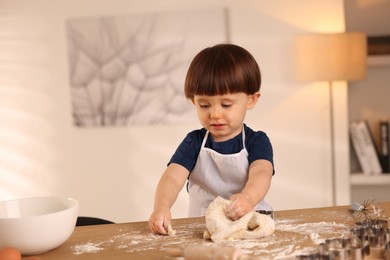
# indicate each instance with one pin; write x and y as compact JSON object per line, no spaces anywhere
{"x":171,"y":231}
{"x":220,"y":227}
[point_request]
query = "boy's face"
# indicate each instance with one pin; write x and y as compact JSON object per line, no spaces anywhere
{"x":224,"y":115}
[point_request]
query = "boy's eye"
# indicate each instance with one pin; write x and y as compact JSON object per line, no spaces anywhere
{"x":203,"y":105}
{"x":226,"y":105}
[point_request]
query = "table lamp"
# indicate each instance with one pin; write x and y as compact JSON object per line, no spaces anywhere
{"x":331,"y":57}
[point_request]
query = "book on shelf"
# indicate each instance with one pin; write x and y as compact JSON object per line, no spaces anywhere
{"x":365,"y":148}
{"x":384,"y":146}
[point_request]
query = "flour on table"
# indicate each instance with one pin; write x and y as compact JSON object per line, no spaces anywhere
{"x":292,"y":236}
{"x":130,"y":240}
{"x":220,"y":227}
{"x":87,"y":248}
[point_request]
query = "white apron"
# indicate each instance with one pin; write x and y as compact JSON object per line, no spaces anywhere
{"x":218,"y":174}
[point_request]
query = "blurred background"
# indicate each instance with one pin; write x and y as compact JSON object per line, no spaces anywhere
{"x":113,"y":169}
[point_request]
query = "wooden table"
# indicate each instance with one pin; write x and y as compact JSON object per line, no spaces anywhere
{"x":297,"y":232}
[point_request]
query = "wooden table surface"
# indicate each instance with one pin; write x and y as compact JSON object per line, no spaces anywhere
{"x":297,"y":232}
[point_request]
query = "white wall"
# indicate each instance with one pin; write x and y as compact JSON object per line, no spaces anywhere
{"x":113,"y":171}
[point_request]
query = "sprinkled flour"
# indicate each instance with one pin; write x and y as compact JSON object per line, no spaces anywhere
{"x":87,"y":248}
{"x":290,"y":238}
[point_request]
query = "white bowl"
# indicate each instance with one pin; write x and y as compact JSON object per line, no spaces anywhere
{"x":36,"y":225}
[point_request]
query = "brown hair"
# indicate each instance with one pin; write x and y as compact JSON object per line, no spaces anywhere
{"x":222,"y":69}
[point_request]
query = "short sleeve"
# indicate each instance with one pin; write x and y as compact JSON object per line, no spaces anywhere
{"x":187,"y":152}
{"x":259,"y":147}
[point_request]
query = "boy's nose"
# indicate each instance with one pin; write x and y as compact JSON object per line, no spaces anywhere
{"x":215,"y":113}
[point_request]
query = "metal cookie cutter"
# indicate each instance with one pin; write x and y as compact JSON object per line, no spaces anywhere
{"x":387,"y":251}
{"x":338,"y":249}
{"x":347,"y":248}
{"x":375,"y":233}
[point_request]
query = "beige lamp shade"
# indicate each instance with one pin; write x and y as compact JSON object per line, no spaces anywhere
{"x":331,"y":56}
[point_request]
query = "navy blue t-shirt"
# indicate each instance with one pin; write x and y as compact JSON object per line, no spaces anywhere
{"x":257,"y":144}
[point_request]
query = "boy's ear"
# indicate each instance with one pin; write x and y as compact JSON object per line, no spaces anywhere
{"x":252,"y":100}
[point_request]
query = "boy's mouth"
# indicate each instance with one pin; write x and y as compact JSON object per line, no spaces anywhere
{"x":217,"y":126}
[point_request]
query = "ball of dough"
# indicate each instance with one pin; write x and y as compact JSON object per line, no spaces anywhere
{"x":221,"y":227}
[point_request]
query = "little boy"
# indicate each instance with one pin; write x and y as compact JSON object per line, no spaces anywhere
{"x":225,"y":158}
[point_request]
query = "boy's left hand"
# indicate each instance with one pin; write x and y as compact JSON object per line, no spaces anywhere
{"x":241,"y":205}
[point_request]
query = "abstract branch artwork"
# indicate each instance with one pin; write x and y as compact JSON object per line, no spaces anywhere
{"x":130,"y":70}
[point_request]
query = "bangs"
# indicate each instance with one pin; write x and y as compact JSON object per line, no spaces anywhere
{"x":220,"y":70}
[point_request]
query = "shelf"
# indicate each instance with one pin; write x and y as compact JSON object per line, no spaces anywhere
{"x":379,"y":60}
{"x":359,"y":179}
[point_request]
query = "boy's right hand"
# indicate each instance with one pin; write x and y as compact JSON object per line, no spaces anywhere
{"x":159,"y":221}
